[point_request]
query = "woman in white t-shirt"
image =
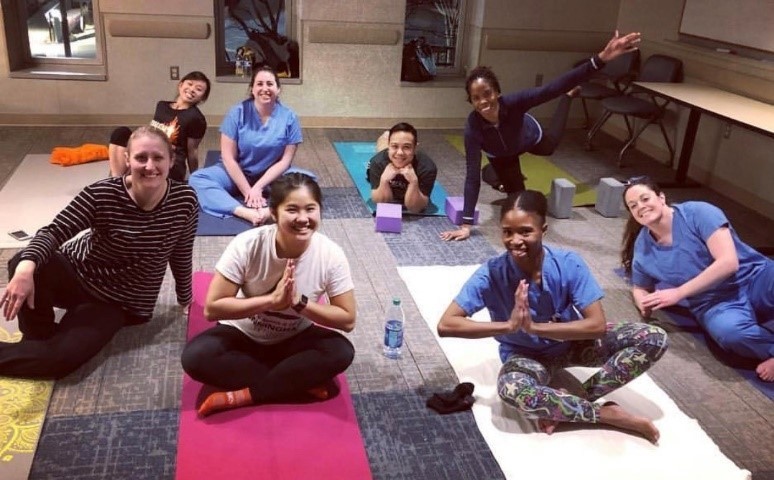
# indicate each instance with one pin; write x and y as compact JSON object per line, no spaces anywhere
{"x":275,"y":341}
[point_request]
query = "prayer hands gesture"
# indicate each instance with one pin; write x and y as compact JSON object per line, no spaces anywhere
{"x":284,"y":293}
{"x":619,"y":45}
{"x":521,"y":318}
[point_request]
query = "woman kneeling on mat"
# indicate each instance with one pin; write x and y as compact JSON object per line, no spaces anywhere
{"x":692,"y":248}
{"x":274,"y":342}
{"x":546,"y":313}
{"x":500,"y":126}
{"x":108,"y":277}
{"x":258,"y":140}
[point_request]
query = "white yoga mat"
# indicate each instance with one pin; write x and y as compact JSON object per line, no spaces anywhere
{"x":38,"y":190}
{"x":684,"y":450}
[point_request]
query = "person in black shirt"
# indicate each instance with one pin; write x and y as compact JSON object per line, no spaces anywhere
{"x":398,"y":173}
{"x":181,"y":120}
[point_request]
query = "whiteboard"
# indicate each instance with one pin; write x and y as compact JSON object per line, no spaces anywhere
{"x":747,"y":23}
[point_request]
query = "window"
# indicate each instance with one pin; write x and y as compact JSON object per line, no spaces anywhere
{"x":61,"y":36}
{"x":250,"y":33}
{"x":437,"y":24}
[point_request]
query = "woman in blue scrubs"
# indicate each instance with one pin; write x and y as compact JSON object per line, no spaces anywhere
{"x":692,"y":249}
{"x":258,"y":139}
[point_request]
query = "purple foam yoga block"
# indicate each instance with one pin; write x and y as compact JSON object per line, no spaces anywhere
{"x":454,"y":206}
{"x":388,"y":217}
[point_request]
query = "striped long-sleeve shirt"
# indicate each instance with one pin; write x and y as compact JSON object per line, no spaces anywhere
{"x":123,"y":256}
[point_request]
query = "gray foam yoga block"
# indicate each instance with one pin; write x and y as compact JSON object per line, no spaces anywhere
{"x":560,"y":198}
{"x":609,"y":197}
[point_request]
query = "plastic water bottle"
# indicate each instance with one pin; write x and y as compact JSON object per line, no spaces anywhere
{"x":393,"y":329}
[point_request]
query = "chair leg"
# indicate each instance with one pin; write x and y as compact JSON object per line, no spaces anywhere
{"x":585,"y":113}
{"x":596,"y":128}
{"x":669,"y":144}
{"x":629,"y":125}
{"x":632,"y":139}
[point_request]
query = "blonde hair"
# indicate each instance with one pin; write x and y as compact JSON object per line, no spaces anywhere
{"x":150,"y":131}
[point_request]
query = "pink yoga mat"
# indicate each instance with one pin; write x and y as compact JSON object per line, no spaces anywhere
{"x":316,"y":440}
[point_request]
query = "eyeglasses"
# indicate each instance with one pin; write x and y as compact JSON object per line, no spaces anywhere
{"x":635,"y":180}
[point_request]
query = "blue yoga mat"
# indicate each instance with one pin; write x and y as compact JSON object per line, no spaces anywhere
{"x":355,"y":157}
{"x":683,"y":319}
{"x":211,"y":226}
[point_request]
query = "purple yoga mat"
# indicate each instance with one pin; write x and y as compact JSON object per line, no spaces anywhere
{"x":316,"y":440}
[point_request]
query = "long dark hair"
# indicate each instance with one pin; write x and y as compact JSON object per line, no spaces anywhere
{"x":530,"y":201}
{"x":484,"y":73}
{"x":632,"y":228}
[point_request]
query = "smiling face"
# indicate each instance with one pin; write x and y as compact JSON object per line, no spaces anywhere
{"x":191,"y":92}
{"x":522,"y":234}
{"x":483,"y":96}
{"x":646,"y":206}
{"x":149,"y":159}
{"x":297,"y":217}
{"x":265,"y":88}
{"x":401,"y":148}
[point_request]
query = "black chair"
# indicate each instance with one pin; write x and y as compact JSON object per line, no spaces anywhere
{"x":638,"y":103}
{"x":612,"y":80}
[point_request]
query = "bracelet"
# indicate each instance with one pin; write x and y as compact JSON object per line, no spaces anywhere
{"x":596,"y":62}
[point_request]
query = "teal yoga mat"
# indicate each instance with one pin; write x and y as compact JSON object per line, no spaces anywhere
{"x":355,"y":157}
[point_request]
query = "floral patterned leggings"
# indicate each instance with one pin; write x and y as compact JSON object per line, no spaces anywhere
{"x":625,"y":352}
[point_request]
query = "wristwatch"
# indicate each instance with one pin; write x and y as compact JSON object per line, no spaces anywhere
{"x":301,"y":304}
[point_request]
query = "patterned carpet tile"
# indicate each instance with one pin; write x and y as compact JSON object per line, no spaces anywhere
{"x":419,"y":244}
{"x":136,"y":445}
{"x":406,"y":440}
{"x":343,"y":203}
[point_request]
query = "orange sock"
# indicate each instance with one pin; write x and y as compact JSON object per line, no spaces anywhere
{"x":320,"y":393}
{"x":225,"y":401}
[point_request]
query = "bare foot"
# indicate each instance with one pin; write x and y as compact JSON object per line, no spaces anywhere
{"x":256,"y":216}
{"x":765,"y":370}
{"x":574,"y":92}
{"x":614,"y":414}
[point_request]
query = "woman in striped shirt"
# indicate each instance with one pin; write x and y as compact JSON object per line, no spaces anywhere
{"x":110,"y":276}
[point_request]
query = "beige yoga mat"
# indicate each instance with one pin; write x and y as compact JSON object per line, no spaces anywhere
{"x":38,"y":190}
{"x":23,"y":405}
{"x":684,"y":450}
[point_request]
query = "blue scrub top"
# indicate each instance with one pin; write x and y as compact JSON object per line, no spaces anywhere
{"x":260,"y":146}
{"x":692,"y":224}
{"x":567,"y":285}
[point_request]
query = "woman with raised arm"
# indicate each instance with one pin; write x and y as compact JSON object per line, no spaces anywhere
{"x":546,"y":313}
{"x":500,"y":126}
{"x":691,"y":249}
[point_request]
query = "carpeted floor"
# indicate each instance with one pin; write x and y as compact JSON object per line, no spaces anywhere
{"x":117,"y":417}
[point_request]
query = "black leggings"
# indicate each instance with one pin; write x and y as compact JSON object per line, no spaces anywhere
{"x":504,"y":173}
{"x":51,"y":350}
{"x":226,"y":358}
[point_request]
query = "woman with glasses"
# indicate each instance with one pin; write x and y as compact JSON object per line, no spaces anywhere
{"x":689,"y":252}
{"x":500,"y":127}
{"x":547,"y":314}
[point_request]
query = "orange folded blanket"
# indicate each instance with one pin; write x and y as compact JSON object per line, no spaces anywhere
{"x":88,"y":152}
